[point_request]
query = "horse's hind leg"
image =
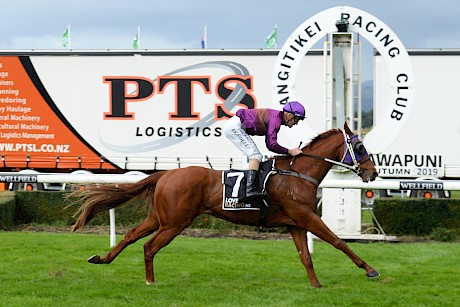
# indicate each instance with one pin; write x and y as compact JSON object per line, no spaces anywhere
{"x":318,"y":228}
{"x":148,"y":226}
{"x":160,"y":239}
{"x":300,"y":239}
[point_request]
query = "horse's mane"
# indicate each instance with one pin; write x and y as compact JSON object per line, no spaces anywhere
{"x":316,"y":140}
{"x":322,"y":136}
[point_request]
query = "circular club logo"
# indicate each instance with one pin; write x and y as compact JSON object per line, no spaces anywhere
{"x":401,"y":77}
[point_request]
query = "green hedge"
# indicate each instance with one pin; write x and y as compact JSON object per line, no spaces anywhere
{"x":417,"y":216}
{"x":397,"y":216}
{"x":7,"y":207}
{"x":52,"y":208}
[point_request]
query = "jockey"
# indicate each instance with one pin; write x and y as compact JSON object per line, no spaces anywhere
{"x":266,"y":122}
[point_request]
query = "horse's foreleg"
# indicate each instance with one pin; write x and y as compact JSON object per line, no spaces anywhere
{"x":318,"y":228}
{"x":159,"y":240}
{"x":300,"y":239}
{"x":148,"y":226}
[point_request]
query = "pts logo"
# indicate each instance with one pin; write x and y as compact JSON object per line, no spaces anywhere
{"x":234,"y":87}
{"x":183,"y":87}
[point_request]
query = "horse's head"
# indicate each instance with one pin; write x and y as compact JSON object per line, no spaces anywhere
{"x":355,"y":154}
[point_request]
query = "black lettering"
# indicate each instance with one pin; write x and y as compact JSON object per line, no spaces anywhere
{"x":286,"y":56}
{"x":284,"y":100}
{"x":398,"y":102}
{"x":294,"y":48}
{"x":184,"y":99}
{"x":344,"y":16}
{"x":431,"y":161}
{"x":189,"y":131}
{"x":224,"y":91}
{"x":394,"y":51}
{"x":396,"y":115}
{"x":282,"y":89}
{"x":149,"y":131}
{"x":419,"y":160}
{"x":300,"y":41}
{"x":378,"y":33}
{"x":283,"y":75}
{"x":371,"y":23}
{"x":402,"y":78}
{"x":382,"y":159}
{"x":309,"y":32}
{"x":317,"y":26}
{"x":401,"y":88}
{"x":408,"y":159}
{"x":119,"y":97}
{"x":358,"y":21}
{"x":386,"y":40}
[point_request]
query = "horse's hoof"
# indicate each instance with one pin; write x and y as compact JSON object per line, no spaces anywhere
{"x":148,"y":283}
{"x":94,"y":259}
{"x":373,"y":274}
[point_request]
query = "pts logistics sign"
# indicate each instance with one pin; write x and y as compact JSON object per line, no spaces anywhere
{"x":198,"y":105}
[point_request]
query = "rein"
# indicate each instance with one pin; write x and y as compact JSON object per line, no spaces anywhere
{"x":349,"y":150}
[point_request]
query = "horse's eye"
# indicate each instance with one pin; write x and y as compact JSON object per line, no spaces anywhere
{"x":359,"y":148}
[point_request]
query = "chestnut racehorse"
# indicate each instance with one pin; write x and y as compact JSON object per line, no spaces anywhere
{"x":177,"y":196}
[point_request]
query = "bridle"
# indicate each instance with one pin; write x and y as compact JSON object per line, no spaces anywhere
{"x":354,"y":155}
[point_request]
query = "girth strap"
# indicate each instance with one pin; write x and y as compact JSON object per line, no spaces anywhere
{"x":296,"y":174}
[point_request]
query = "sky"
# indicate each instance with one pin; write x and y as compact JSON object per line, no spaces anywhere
{"x":236,"y":24}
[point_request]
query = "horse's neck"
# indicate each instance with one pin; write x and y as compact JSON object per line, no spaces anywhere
{"x":329,"y":149}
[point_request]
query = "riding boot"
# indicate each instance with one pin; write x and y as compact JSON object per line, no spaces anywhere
{"x":252,"y":186}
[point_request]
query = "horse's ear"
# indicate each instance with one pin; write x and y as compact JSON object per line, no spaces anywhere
{"x":347,"y":129}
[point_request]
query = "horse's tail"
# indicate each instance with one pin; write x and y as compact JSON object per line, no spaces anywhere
{"x":100,"y":198}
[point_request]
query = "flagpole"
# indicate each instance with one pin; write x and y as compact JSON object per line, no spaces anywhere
{"x":68,"y":35}
{"x":276,"y":31}
{"x":205,"y":37}
{"x":138,"y":36}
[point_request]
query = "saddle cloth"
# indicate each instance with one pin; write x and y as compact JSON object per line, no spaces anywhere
{"x":234,"y":187}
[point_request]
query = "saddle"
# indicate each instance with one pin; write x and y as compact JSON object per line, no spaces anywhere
{"x":234,"y":185}
{"x":234,"y":182}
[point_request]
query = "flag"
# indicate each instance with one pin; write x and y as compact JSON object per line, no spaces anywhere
{"x":204,"y":43}
{"x":136,"y":41}
{"x":66,"y":37}
{"x":270,"y":41}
